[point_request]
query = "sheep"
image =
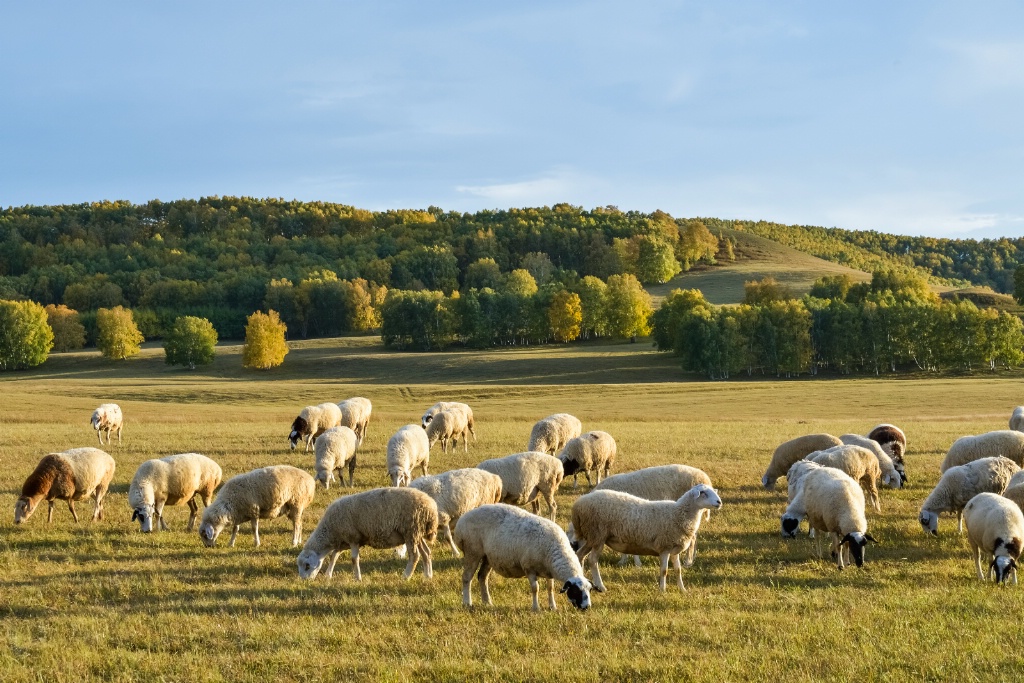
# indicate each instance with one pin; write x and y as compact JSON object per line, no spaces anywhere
{"x":1017,"y":419}
{"x":552,"y":433}
{"x":995,"y":525}
{"x":264,"y":493}
{"x":407,"y":450}
{"x":832,"y":502}
{"x":450,"y":405}
{"x":960,"y":483}
{"x":174,"y":480}
{"x":636,"y":526}
{"x":793,"y":451}
{"x":448,"y":426}
{"x":70,"y":475}
{"x":1015,"y":489}
{"x":335,"y":449}
{"x":107,"y":418}
{"x":893,"y":441}
{"x":525,"y":477}
{"x":312,"y":422}
{"x":515,"y":544}
{"x":593,"y":451}
{"x":1005,"y":442}
{"x":355,"y":414}
{"x":893,"y":474}
{"x":379,"y":518}
{"x":456,"y":492}
{"x":860,"y":463}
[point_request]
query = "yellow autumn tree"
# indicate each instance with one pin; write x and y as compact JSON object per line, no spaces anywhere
{"x":565,"y":315}
{"x":628,"y":307}
{"x":68,"y":331}
{"x":265,"y":345}
{"x":117,"y":336}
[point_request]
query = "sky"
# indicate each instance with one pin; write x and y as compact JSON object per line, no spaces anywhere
{"x":898,"y":117}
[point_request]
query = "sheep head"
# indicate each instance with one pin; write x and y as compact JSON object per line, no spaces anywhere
{"x":214,"y":521}
{"x":577,"y":591}
{"x":856,"y":541}
{"x":309,"y":563}
{"x":23,"y":509}
{"x":145,"y":514}
{"x":1003,"y":567}
{"x":790,"y":525}
{"x":929,"y":522}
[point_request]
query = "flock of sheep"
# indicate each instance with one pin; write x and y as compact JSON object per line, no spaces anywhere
{"x":656,"y":511}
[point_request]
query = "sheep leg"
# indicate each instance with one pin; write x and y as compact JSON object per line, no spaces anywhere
{"x":482,"y":577}
{"x":49,"y":513}
{"x":875,"y":502}
{"x":691,"y":552}
{"x":595,"y":569}
{"x":413,"y":551}
{"x":351,"y":471}
{"x":465,"y":443}
{"x":296,"y":526}
{"x":679,"y":569}
{"x":590,"y":483}
{"x":551,"y":595}
{"x":549,"y":498}
{"x":355,"y":562}
{"x":161,"y":524}
{"x":99,"y":435}
{"x":468,"y":568}
{"x":977,"y":561}
{"x":425,"y":553}
{"x":118,"y":436}
{"x":533,"y":591}
{"x":193,"y":513}
{"x":330,"y":566}
{"x":575,"y":482}
{"x":663,"y":578}
{"x":256,"y":530}
{"x":234,"y":535}
{"x":71,"y":506}
{"x":960,"y":521}
{"x":451,"y":541}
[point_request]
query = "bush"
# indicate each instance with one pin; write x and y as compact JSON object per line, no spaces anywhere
{"x":191,"y":341}
{"x":25,"y":336}
{"x":117,"y":337}
{"x":265,"y":345}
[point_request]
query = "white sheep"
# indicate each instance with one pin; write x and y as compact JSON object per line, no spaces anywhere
{"x":355,"y":414}
{"x":590,"y":452}
{"x":793,"y":451}
{"x":264,"y":493}
{"x":516,"y":544}
{"x":107,"y":418}
{"x":552,"y":433}
{"x":894,"y":442}
{"x":312,"y":422}
{"x":832,"y":502}
{"x":960,"y":483}
{"x":450,"y":405}
{"x":635,"y":526}
{"x":379,"y":518}
{"x":995,"y":525}
{"x":891,"y":472}
{"x":527,"y":476}
{"x":70,"y":475}
{"x":456,"y":492}
{"x":335,"y":449}
{"x":174,"y":480}
{"x":1015,"y":489}
{"x":408,"y":449}
{"x":1005,"y":442}
{"x":448,"y":426}
{"x":1017,"y":419}
{"x":860,"y":463}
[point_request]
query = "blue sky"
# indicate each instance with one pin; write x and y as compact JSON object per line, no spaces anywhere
{"x":899,"y":117}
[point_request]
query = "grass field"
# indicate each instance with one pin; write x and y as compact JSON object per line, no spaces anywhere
{"x":101,"y":601}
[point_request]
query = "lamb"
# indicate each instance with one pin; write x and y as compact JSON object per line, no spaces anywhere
{"x":551,"y":434}
{"x":893,"y":441}
{"x":893,"y":474}
{"x":832,"y":502}
{"x":515,"y":544}
{"x":860,"y":463}
{"x":407,"y":450}
{"x":335,"y":449}
{"x":590,"y":452}
{"x":456,"y":492}
{"x":107,"y":418}
{"x":525,"y":476}
{"x":960,"y":483}
{"x":1015,"y":489}
{"x":1017,"y":419}
{"x":312,"y":422}
{"x":995,"y":525}
{"x":379,"y":518}
{"x":793,"y":451}
{"x":174,"y":480}
{"x":450,"y":405}
{"x":636,"y":526}
{"x":448,"y":426}
{"x":355,"y":414}
{"x":1005,"y":442}
{"x":70,"y":475}
{"x":264,"y":493}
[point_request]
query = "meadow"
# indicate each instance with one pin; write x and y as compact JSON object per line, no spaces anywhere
{"x":102,"y":601}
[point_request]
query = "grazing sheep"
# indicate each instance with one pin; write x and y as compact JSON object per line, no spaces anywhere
{"x":107,"y":418}
{"x":450,"y":405}
{"x":893,"y":441}
{"x":960,"y":483}
{"x":995,"y":525}
{"x":448,"y":426}
{"x":793,"y":451}
{"x":636,"y":526}
{"x":174,"y":480}
{"x":515,"y":544}
{"x":71,"y":475}
{"x":832,"y":502}
{"x":552,"y":433}
{"x":1005,"y":442}
{"x":312,"y":422}
{"x":590,"y":452}
{"x":407,"y":450}
{"x":1015,"y":489}
{"x":265,"y":493}
{"x":893,"y":474}
{"x":379,"y":518}
{"x":1017,"y":419}
{"x":335,"y":449}
{"x":860,"y":463}
{"x":525,"y":476}
{"x":355,"y":414}
{"x":456,"y":492}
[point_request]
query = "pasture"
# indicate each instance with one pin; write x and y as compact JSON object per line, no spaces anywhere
{"x":101,"y":601}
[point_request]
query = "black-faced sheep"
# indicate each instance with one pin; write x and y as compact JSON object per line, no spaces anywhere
{"x":174,"y":480}
{"x":312,"y":422}
{"x":552,"y":433}
{"x":107,"y":418}
{"x":590,"y":452}
{"x":960,"y":483}
{"x":995,"y":525}
{"x":793,"y":451}
{"x":71,"y":475}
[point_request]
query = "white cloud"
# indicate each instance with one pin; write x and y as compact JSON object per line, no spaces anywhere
{"x":935,"y":214}
{"x":556,"y":186}
{"x":987,"y":65}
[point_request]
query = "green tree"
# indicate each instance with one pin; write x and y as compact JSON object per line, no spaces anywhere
{"x":25,"y":336}
{"x":674,"y":307}
{"x":539,"y":266}
{"x":117,"y":336}
{"x":521,"y":283}
{"x":593,"y":301}
{"x":1018,"y":284}
{"x":629,"y":307}
{"x":68,"y":331}
{"x":484,"y":272}
{"x":764,"y":291}
{"x":565,"y":315}
{"x":265,"y":345}
{"x":191,"y":341}
{"x":655,"y":260}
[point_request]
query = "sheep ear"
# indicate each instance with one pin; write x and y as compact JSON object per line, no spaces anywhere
{"x":869,"y":537}
{"x":565,"y":587}
{"x":135,"y":515}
